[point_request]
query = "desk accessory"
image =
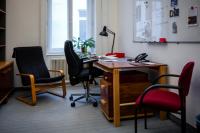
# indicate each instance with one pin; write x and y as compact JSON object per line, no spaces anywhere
{"x":105,"y":32}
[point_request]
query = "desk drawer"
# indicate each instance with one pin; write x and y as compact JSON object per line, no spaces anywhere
{"x":128,"y":76}
{"x":129,"y":91}
{"x":105,"y":89}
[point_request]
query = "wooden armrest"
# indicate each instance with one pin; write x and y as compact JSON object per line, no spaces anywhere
{"x":22,"y":74}
{"x":31,"y":77}
{"x":59,"y":71}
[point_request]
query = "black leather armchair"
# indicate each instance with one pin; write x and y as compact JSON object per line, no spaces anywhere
{"x":79,"y":74}
{"x":34,"y":73}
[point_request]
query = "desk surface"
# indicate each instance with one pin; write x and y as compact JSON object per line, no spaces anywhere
{"x":123,"y":63}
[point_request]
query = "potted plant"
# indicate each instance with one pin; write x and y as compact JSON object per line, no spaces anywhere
{"x":83,"y":45}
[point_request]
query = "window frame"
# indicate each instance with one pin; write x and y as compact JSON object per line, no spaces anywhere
{"x":90,"y":23}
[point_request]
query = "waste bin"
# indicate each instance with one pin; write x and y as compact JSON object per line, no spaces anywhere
{"x":198,"y":123}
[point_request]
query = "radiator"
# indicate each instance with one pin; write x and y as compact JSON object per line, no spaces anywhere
{"x":59,"y":64}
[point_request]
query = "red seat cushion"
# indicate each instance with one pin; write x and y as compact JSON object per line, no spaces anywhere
{"x":161,"y":99}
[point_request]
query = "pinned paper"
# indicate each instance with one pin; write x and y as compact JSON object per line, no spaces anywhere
{"x":193,"y":16}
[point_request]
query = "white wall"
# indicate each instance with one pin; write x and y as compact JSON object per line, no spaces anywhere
{"x":175,"y":55}
{"x":23,"y":26}
{"x":106,"y":15}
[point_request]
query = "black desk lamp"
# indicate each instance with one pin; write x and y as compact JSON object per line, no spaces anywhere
{"x":105,"y":33}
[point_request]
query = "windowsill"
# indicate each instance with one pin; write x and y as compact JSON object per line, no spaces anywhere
{"x":54,"y":54}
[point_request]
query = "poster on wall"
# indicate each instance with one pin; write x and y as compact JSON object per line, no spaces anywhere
{"x":152,"y":21}
{"x":174,"y":3}
{"x":143,"y":20}
{"x":193,"y":16}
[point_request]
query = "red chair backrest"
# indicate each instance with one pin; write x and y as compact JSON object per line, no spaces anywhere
{"x":185,"y":77}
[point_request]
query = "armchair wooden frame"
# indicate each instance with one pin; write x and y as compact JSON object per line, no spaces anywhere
{"x":42,"y":88}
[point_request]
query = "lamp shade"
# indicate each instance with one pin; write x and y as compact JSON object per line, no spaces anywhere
{"x":104,"y":32}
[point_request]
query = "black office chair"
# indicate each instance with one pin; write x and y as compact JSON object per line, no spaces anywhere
{"x":77,"y":74}
{"x":34,"y":73}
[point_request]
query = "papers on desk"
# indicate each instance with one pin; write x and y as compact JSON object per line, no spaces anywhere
{"x":141,"y":63}
{"x":108,"y":58}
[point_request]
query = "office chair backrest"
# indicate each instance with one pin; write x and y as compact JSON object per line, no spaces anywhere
{"x":30,"y":60}
{"x":75,"y":64}
{"x":185,"y":77}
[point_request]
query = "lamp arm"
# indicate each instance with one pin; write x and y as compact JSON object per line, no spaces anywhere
{"x":113,"y":43}
{"x":111,"y":32}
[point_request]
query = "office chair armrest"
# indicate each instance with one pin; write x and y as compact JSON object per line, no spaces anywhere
{"x":59,"y":71}
{"x":164,"y":75}
{"x":158,"y":86}
{"x":31,"y":77}
{"x":87,"y":61}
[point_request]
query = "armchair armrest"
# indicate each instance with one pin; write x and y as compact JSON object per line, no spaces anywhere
{"x":31,"y":77}
{"x":59,"y":71}
{"x":157,"y":86}
{"x":164,"y":75}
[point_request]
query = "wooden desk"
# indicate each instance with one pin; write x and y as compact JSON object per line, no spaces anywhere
{"x":115,"y":67}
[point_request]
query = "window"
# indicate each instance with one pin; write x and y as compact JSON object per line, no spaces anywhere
{"x":82,"y":25}
{"x":64,"y":14}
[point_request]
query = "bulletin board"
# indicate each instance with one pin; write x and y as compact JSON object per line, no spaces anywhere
{"x":177,"y":21}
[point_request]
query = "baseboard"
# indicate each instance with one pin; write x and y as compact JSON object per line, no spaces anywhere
{"x":190,"y":129}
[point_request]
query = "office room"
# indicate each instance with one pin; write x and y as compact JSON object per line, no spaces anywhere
{"x":132,"y":27}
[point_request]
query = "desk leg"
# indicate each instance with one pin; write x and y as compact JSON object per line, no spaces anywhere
{"x":116,"y":97}
{"x":163,"y":70}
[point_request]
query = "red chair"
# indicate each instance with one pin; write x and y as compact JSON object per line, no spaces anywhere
{"x":157,"y":97}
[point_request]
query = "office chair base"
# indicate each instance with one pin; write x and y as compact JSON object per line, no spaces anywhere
{"x":89,"y":98}
{"x":95,"y":104}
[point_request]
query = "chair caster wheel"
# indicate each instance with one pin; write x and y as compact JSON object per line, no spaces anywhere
{"x":73,"y":104}
{"x":95,"y":104}
{"x":71,"y":98}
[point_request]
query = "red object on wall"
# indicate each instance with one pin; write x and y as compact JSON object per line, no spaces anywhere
{"x":116,"y":54}
{"x":163,"y":40}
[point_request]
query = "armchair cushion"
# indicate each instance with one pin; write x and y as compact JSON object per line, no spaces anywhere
{"x":161,"y":99}
{"x":30,"y":60}
{"x":49,"y":80}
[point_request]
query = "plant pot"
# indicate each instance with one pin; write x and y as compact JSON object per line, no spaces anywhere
{"x":84,"y":49}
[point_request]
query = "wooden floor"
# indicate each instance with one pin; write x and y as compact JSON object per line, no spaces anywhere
{"x":54,"y":115}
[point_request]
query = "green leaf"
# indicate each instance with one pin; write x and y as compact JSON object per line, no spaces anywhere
{"x":83,"y":43}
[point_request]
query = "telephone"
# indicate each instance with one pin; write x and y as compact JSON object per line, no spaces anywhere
{"x":141,"y":57}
